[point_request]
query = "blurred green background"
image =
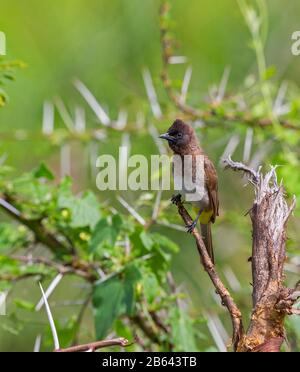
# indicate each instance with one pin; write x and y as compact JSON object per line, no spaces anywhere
{"x":106,"y":44}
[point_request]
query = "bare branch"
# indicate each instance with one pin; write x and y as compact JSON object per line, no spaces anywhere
{"x":252,"y":175}
{"x":92,"y":346}
{"x":63,"y":269}
{"x":227,"y":300}
{"x":271,"y":300}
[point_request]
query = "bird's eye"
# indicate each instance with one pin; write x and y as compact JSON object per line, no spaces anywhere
{"x":179,"y":134}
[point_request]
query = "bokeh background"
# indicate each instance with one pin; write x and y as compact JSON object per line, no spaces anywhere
{"x":107,"y":44}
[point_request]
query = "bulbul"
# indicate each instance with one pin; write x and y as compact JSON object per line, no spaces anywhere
{"x":183,"y":141}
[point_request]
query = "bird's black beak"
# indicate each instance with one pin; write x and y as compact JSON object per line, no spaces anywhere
{"x":167,"y":137}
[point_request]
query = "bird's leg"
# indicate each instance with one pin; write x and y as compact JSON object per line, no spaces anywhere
{"x":191,"y":227}
{"x":176,"y":198}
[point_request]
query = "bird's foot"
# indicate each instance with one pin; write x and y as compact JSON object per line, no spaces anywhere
{"x":191,"y":227}
{"x":176,"y":198}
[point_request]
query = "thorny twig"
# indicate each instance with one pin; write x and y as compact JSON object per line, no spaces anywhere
{"x":93,"y":346}
{"x":227,"y":300}
{"x":206,"y":115}
{"x":252,"y":175}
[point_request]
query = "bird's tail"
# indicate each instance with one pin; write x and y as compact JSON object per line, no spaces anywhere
{"x":207,"y":239}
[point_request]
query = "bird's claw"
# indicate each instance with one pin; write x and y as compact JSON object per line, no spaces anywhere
{"x":191,"y":227}
{"x":176,"y":199}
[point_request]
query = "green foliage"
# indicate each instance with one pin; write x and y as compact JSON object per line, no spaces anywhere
{"x":13,"y":237}
{"x":7,"y":73}
{"x":133,"y":279}
{"x":105,"y":233}
{"x":183,"y":331}
{"x":113,"y":298}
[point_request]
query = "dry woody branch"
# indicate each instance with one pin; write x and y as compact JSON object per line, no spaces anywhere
{"x":272,"y":301}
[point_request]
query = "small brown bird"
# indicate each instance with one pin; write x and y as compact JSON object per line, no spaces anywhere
{"x":183,"y":141}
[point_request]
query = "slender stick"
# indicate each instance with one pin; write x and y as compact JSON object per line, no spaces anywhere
{"x":92,"y":346}
{"x":63,"y":269}
{"x":227,"y":300}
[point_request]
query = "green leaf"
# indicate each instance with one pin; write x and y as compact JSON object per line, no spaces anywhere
{"x":9,"y":266}
{"x":105,"y":233}
{"x":37,"y":195}
{"x":151,"y":287}
{"x":29,"y":306}
{"x":12,"y":236}
{"x":85,"y":211}
{"x":146,"y":240}
{"x":132,"y":276}
{"x":113,"y":298}
{"x":124,"y":330}
{"x":66,"y":331}
{"x":269,"y":72}
{"x":165,"y":242}
{"x":108,"y":305}
{"x":43,"y":172}
{"x":183,"y":331}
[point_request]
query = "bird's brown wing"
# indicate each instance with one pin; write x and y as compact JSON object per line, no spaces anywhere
{"x":211,"y":181}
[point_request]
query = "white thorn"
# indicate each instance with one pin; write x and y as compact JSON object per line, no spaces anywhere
{"x":177,"y":60}
{"x":232,"y":279}
{"x":64,"y":113}
{"x":155,"y":135}
{"x":93,"y":155}
{"x":65,"y":160}
{"x":9,"y":207}
{"x":215,"y":333}
{"x":93,"y":103}
{"x":122,"y":120}
{"x":51,"y":321}
{"x":230,"y":148}
{"x":248,"y":145}
{"x":223,"y":84}
{"x":49,"y":291}
{"x":260,"y":154}
{"x":156,"y":205}
{"x":80,"y":122}
{"x":156,"y":110}
{"x":140,"y":120}
{"x":132,"y":211}
{"x":48,"y":118}
{"x":279,"y":108}
{"x":125,"y":149}
{"x":185,"y":84}
{"x":37,"y":344}
{"x":171,"y":226}
{"x":221,"y":328}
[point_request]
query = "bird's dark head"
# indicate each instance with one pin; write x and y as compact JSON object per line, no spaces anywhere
{"x":181,"y":137}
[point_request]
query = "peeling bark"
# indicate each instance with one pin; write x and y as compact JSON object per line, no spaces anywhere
{"x":272,"y":301}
